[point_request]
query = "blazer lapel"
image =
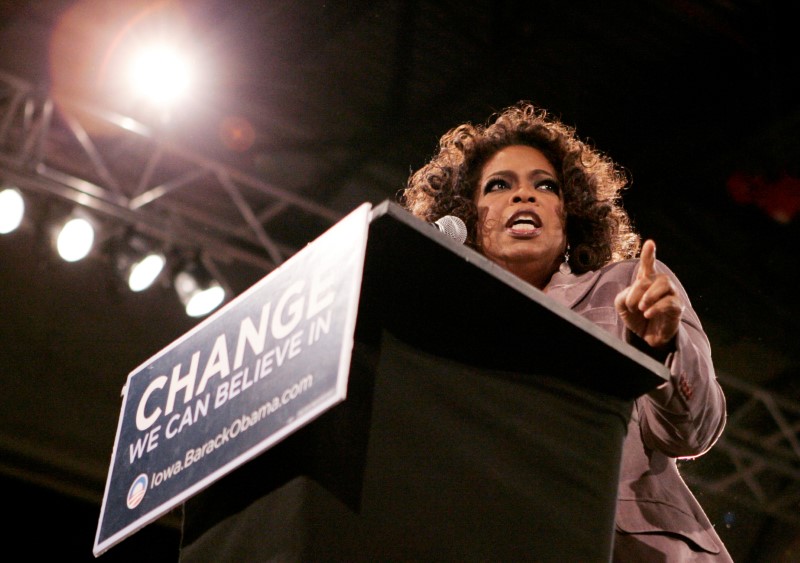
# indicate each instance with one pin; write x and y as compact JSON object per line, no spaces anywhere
{"x":569,"y":289}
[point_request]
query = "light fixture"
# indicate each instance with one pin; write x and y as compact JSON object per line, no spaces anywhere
{"x":144,"y":272}
{"x":12,"y":209}
{"x":161,"y":73}
{"x":139,"y":263}
{"x":75,"y":239}
{"x":198,"y":291}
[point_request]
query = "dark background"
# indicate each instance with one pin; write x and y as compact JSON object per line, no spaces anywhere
{"x":334,"y":103}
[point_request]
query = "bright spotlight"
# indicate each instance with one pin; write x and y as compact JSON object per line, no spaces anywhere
{"x":75,"y":239}
{"x":12,"y":209}
{"x":198,"y":291}
{"x":144,"y":272}
{"x":138,"y":262}
{"x":161,"y":74}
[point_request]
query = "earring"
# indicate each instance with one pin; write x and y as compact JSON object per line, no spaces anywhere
{"x":564,"y":268}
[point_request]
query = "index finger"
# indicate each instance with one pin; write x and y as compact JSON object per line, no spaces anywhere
{"x":647,"y":260}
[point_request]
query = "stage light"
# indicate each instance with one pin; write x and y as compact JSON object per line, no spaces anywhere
{"x":161,"y":74}
{"x":75,"y":239}
{"x":139,"y":263}
{"x":12,"y":209}
{"x":144,"y":272}
{"x":198,"y":291}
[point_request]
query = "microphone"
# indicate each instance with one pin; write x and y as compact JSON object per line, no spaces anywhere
{"x":453,"y":227}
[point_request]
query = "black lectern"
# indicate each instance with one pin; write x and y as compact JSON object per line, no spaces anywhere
{"x":458,"y":441}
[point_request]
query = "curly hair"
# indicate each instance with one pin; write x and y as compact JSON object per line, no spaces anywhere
{"x":598,"y":229}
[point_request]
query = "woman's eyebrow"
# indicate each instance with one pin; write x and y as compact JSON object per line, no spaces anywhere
{"x":531,"y":173}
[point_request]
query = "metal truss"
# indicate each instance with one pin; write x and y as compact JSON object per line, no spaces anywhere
{"x":121,"y":169}
{"x":756,"y":462}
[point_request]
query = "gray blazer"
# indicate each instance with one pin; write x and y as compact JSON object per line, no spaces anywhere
{"x":657,"y":516}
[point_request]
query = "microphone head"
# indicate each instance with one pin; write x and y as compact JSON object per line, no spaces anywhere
{"x":453,"y":227}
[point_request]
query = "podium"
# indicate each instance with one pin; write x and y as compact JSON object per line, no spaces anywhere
{"x":459,"y":440}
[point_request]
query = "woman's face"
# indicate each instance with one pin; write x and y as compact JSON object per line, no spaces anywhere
{"x":520,"y":213}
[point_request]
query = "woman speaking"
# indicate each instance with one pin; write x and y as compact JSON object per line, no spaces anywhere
{"x":545,"y":206}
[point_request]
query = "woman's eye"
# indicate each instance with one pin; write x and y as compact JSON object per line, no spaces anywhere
{"x":549,"y":185}
{"x":494,"y":185}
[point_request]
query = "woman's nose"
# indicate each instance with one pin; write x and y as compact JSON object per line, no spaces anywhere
{"x":524,"y":194}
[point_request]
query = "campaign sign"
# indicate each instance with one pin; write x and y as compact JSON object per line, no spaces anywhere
{"x":266,"y":364}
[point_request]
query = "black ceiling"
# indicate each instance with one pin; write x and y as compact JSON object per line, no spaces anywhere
{"x":344,"y":99}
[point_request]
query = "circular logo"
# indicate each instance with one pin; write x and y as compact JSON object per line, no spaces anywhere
{"x":137,"y":491}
